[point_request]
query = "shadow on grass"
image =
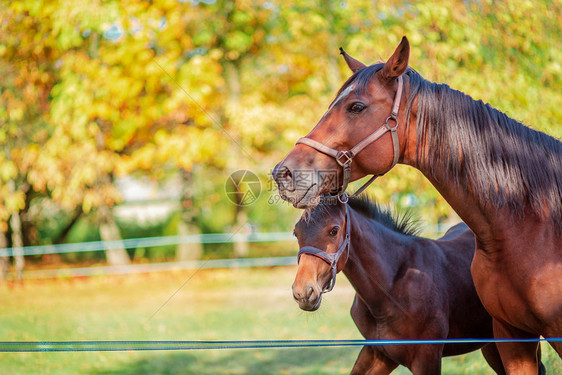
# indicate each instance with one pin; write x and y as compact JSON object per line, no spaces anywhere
{"x":242,"y":361}
{"x":299,"y":361}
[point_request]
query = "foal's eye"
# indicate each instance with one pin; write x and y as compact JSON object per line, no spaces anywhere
{"x":334,"y":231}
{"x":356,"y":107}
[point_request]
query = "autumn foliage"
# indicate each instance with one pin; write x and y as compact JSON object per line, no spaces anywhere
{"x":91,"y":91}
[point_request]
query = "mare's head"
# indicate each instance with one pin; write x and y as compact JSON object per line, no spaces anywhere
{"x":362,"y":106}
{"x":325,"y":229}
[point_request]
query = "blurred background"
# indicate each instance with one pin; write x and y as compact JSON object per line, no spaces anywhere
{"x":124,"y":119}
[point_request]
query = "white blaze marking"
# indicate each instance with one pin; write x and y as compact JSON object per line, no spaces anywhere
{"x":342,"y":95}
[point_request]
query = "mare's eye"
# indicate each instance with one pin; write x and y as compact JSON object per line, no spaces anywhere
{"x":356,"y":107}
{"x":334,"y":231}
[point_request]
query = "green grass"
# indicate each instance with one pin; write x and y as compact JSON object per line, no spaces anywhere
{"x":238,"y":304}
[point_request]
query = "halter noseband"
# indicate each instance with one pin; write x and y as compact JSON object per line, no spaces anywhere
{"x":331,"y":258}
{"x":344,"y":158}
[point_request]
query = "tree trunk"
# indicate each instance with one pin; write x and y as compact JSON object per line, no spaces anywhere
{"x":188,"y":222}
{"x":241,"y":227}
{"x":188,"y":251}
{"x":64,"y":232}
{"x":17,"y":245}
{"x":4,"y":261}
{"x":110,"y":232}
{"x":241,"y":248}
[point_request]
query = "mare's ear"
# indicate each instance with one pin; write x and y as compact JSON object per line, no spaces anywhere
{"x":398,"y":62}
{"x":353,"y":64}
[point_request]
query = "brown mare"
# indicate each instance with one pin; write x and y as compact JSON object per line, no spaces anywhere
{"x":408,"y":287}
{"x":502,"y":178}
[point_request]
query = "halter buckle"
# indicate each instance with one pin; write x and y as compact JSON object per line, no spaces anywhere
{"x":343,"y":197}
{"x":393,"y":116}
{"x":345,"y":156}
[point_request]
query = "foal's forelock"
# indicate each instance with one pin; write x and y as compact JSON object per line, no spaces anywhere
{"x":400,"y":222}
{"x":307,"y":215}
{"x":311,"y":213}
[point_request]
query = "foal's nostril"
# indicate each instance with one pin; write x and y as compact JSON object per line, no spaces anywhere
{"x":296,"y":294}
{"x":307,"y":297}
{"x":309,"y":292}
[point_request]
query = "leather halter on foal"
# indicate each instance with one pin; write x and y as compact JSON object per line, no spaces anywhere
{"x":331,"y":258}
{"x":344,"y":158}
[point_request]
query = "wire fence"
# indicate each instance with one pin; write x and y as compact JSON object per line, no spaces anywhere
{"x":115,"y":346}
{"x":159,"y":267}
{"x":148,"y":242}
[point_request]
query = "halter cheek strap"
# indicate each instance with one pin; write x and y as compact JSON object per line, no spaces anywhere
{"x":344,"y":158}
{"x":330,"y":258}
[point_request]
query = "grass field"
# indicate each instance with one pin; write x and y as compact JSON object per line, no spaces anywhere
{"x":237,"y":304}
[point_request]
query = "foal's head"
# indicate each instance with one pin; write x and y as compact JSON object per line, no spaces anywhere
{"x":324,"y":228}
{"x":361,"y":106}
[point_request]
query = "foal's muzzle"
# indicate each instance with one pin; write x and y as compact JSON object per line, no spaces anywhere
{"x":309,"y":298}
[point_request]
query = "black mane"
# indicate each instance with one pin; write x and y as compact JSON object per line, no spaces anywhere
{"x":494,"y":157}
{"x":403,"y":223}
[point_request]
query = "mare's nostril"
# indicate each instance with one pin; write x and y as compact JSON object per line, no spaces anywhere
{"x":309,"y":292}
{"x":283,"y":176}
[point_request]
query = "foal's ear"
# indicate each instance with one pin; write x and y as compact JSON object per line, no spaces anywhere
{"x":353,"y":64}
{"x":398,"y":62}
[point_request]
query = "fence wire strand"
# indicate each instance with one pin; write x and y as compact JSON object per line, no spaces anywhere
{"x":116,"y":346}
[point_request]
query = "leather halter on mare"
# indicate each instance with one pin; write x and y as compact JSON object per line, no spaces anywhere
{"x":344,"y":158}
{"x":331,"y":258}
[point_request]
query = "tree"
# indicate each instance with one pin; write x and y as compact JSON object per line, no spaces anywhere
{"x":94,"y":91}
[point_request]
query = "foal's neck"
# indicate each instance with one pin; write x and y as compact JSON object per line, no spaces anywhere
{"x":376,"y":255}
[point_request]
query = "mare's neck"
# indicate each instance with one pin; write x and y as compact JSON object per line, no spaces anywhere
{"x":491,"y":169}
{"x":376,"y":255}
{"x":481,"y":217}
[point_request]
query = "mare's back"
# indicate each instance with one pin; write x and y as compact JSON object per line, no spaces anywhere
{"x":451,"y":258}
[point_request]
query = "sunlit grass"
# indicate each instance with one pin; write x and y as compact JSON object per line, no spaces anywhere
{"x":238,"y":304}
